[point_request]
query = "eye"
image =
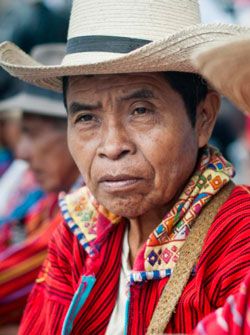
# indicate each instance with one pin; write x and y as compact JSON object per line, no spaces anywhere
{"x":140,"y":111}
{"x":85,"y":118}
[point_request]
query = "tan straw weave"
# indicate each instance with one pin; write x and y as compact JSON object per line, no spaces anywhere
{"x":189,"y":255}
{"x":227,"y":66}
{"x":122,"y":36}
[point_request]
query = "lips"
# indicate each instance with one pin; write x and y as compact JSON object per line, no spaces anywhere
{"x":119,"y":182}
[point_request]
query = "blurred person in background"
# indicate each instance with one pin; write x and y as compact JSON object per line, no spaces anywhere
{"x":19,"y":188}
{"x":43,"y":144}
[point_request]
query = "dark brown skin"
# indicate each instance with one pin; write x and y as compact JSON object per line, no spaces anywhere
{"x":10,"y":133}
{"x":45,"y":147}
{"x":133,"y":142}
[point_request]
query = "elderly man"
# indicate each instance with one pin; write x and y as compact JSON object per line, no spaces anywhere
{"x":160,"y":228}
{"x":43,"y":144}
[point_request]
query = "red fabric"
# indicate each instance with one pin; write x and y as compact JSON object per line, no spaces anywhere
{"x":223,"y":264}
{"x":248,"y":133}
{"x":233,"y":318}
{"x":21,"y":263}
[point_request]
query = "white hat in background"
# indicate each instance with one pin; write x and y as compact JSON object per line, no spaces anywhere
{"x":33,"y":99}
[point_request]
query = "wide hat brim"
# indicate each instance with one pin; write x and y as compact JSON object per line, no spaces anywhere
{"x":172,"y":53}
{"x":227,"y":66}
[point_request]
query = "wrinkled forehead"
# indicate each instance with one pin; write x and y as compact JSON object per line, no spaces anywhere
{"x":105,"y":83}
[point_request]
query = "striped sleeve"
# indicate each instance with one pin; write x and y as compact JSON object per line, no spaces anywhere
{"x":226,"y":259}
{"x":233,"y":318}
{"x":223,"y":264}
{"x":17,"y":276}
{"x":53,"y":291}
{"x":19,"y":267}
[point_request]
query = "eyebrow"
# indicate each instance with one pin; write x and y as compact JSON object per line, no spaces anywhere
{"x":76,"y":107}
{"x":140,"y":94}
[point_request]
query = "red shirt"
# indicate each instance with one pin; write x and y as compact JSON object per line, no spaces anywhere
{"x":80,"y":290}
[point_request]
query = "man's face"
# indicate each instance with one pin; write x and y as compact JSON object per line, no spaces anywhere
{"x":132,"y":140}
{"x":44,"y":146}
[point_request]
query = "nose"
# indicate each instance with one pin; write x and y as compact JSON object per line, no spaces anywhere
{"x":24,"y":149}
{"x":116,"y":143}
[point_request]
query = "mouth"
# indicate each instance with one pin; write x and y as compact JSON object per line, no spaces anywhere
{"x":120,"y":182}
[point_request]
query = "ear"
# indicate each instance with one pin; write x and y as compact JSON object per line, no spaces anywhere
{"x":207,"y":112}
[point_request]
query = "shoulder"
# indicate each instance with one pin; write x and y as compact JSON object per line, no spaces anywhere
{"x":224,"y":260}
{"x":235,"y":212}
{"x":229,"y":234}
{"x":87,"y":220}
{"x":238,"y":199}
{"x":79,"y":210}
{"x":75,"y":224}
{"x":64,"y":262}
{"x":227,"y":244}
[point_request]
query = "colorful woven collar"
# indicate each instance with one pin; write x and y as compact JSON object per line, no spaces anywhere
{"x":90,"y":221}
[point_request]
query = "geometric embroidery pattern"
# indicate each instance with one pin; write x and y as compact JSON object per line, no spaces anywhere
{"x":212,"y":173}
{"x":84,"y":215}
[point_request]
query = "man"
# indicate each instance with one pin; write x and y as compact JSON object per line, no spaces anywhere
{"x":43,"y":144}
{"x":138,"y":131}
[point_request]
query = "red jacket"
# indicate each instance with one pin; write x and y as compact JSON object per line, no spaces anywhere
{"x":231,"y":319}
{"x":77,"y":290}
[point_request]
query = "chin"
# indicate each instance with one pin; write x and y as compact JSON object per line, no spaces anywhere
{"x":128,"y":208}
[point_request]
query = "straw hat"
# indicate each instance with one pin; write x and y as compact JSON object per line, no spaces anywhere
{"x":122,"y":36}
{"x":37,"y":100}
{"x":227,"y":67}
{"x":35,"y":103}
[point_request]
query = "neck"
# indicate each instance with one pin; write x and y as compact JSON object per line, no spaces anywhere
{"x":140,"y":228}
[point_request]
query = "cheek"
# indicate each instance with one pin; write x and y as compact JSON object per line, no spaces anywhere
{"x":172,"y":154}
{"x":82,"y":152}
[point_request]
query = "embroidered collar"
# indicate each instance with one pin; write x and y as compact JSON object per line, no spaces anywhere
{"x":91,"y":222}
{"x":88,"y":220}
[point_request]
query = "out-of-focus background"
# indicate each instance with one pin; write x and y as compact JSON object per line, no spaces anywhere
{"x":31,"y":173}
{"x":28,"y":23}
